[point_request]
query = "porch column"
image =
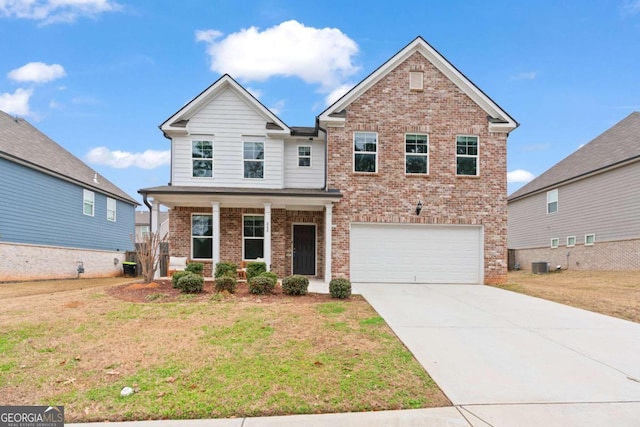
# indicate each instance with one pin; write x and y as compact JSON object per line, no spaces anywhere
{"x":153,"y":228}
{"x":267,"y":235}
{"x":215,"y":234}
{"x":328,"y":227}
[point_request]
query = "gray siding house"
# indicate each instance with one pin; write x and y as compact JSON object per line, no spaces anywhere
{"x":584,"y":212}
{"x":56,"y":213}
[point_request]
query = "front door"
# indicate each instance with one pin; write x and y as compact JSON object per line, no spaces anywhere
{"x":304,"y":249}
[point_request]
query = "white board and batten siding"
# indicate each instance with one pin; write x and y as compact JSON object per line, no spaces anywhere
{"x":416,"y":253}
{"x":301,"y":176}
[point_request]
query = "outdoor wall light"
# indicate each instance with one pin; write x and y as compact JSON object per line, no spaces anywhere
{"x":418,"y":207}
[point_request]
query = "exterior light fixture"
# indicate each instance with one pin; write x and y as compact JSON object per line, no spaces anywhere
{"x":418,"y":207}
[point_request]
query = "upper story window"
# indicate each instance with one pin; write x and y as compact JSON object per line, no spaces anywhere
{"x":416,"y":148}
{"x":552,"y":201}
{"x":304,"y":155}
{"x":571,"y":241}
{"x":201,"y":236}
{"x":555,"y":242}
{"x":88,"y":202}
{"x":467,"y":155}
{"x":589,"y":239}
{"x":253,"y":159}
{"x":111,"y":209}
{"x":202,"y":159}
{"x":365,"y":152}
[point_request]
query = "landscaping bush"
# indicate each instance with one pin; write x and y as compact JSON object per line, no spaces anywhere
{"x":195,"y":268}
{"x":191,"y":283}
{"x":255,"y":268}
{"x":340,"y":288}
{"x":261,"y":285}
{"x":226,"y":283}
{"x":270,"y":274}
{"x":226,"y":269}
{"x":176,"y":276}
{"x":295,"y":285}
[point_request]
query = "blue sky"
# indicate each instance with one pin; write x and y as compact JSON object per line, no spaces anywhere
{"x":100,"y":76}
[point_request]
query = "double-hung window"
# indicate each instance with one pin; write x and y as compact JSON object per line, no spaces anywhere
{"x":304,"y":156}
{"x":253,"y":156}
{"x":88,"y":202}
{"x":552,"y":201}
{"x":467,"y":155}
{"x":202,"y":159}
{"x":201,"y":236}
{"x":365,"y":152}
{"x":416,"y":148}
{"x":111,"y":209}
{"x":253,"y":236}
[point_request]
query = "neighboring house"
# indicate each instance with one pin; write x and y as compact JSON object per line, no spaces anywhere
{"x":143,"y":224}
{"x":584,"y":212}
{"x":403,"y":179}
{"x":56,"y":214}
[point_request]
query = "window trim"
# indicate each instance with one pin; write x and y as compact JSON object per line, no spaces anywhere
{"x":250,"y":237}
{"x":476,"y":156}
{"x":305,"y":157}
{"x":88,"y":202}
{"x":550,"y":202}
{"x":570,"y":245}
{"x":416,"y":154}
{"x":264,"y":155}
{"x":593,"y":239}
{"x":202,"y":159}
{"x":200,"y":237}
{"x":374,"y":153}
{"x":555,"y":243}
{"x":113,"y":209}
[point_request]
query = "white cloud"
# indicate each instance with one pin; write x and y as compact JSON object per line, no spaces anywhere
{"x":16,"y":103}
{"x":149,"y":159}
{"x":630,"y":8}
{"x":277,"y":107}
{"x":527,"y":75}
{"x":320,"y":56}
{"x":519,"y":175}
{"x":257,"y":93}
{"x":37,"y":72}
{"x":336,"y":93}
{"x":54,"y":11}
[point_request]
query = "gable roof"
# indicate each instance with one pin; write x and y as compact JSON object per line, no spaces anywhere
{"x":22,"y":143}
{"x":499,"y":120}
{"x":179,"y":121}
{"x":618,"y":145}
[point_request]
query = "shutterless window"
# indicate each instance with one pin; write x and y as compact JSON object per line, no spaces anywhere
{"x":304,"y":156}
{"x":466,"y":155}
{"x":88,"y":202}
{"x":202,"y":159}
{"x":552,"y":201}
{"x":201,"y":236}
{"x":253,"y":160}
{"x":589,"y":239}
{"x":571,"y":241}
{"x":111,"y":209}
{"x":365,"y":151}
{"x":555,"y":242}
{"x":416,"y":148}
{"x":253,"y":236}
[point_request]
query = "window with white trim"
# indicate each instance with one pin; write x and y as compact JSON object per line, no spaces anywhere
{"x":365,"y":152}
{"x":88,"y":202}
{"x":253,"y":236}
{"x":552,"y":201}
{"x":202,"y":159}
{"x":555,"y":242}
{"x":416,"y":154}
{"x":201,"y":236}
{"x":111,"y":209}
{"x":253,"y":156}
{"x":571,"y":241}
{"x":304,"y":156}
{"x":467,"y":155}
{"x":589,"y":239}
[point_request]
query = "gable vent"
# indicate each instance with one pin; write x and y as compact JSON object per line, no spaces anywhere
{"x":416,"y":80}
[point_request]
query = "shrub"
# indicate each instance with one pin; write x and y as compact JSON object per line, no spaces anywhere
{"x":226,"y":269}
{"x":270,"y":274}
{"x":191,"y":283}
{"x":340,"y":288}
{"x":255,"y":269}
{"x":195,"y":268}
{"x":176,"y":276}
{"x":226,"y":283}
{"x":261,"y":285}
{"x":295,"y":285}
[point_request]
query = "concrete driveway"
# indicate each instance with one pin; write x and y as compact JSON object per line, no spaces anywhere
{"x":506,"y":359}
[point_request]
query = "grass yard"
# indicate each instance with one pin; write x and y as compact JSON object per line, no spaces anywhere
{"x":203,"y":357}
{"x":614,"y":293}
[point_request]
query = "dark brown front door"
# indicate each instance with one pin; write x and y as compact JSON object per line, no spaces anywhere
{"x":304,"y":249}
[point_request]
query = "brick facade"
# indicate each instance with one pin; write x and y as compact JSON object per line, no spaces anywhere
{"x":442,"y":111}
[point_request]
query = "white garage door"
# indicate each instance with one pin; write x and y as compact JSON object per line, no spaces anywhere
{"x":409,"y":253}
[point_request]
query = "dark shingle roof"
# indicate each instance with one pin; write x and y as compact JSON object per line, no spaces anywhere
{"x":619,"y":144}
{"x":22,"y":143}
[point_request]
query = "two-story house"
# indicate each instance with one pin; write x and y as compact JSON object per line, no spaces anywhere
{"x":403,"y":179}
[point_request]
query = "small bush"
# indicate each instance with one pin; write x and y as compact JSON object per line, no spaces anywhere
{"x":226,"y":283}
{"x":261,"y":285}
{"x":176,"y":276}
{"x":270,"y":274}
{"x":340,"y":288}
{"x":255,"y":269}
{"x":195,"y":268}
{"x":295,"y":285}
{"x":226,"y":269}
{"x":191,"y":283}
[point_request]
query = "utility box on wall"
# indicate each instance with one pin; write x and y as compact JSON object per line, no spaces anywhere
{"x":540,"y":267}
